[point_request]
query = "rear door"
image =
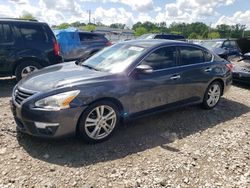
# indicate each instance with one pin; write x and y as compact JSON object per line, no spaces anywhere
{"x":196,"y":71}
{"x":7,"y":48}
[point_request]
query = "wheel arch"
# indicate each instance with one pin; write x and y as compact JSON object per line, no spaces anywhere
{"x":113,"y":100}
{"x":26,"y":59}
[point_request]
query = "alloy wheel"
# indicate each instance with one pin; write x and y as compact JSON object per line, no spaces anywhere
{"x":100,"y":122}
{"x":214,"y":94}
{"x":27,"y":70}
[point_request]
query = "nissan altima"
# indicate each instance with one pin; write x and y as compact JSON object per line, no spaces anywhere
{"x":126,"y":80}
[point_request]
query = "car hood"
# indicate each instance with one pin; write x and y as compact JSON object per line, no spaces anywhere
{"x":59,"y":76}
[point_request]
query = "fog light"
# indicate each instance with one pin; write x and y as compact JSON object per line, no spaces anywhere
{"x":42,"y":125}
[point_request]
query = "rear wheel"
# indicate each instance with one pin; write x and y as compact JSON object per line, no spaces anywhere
{"x":212,"y":95}
{"x":98,"y":122}
{"x":25,"y":69}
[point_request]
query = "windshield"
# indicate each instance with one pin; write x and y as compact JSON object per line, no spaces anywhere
{"x":114,"y":59}
{"x":212,"y":44}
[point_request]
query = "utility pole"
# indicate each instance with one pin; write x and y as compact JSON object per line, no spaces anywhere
{"x":89,"y":11}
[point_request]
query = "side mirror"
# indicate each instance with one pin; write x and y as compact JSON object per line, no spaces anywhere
{"x":144,"y":69}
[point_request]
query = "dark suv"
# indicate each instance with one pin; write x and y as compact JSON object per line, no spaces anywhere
{"x":25,"y":46}
{"x":163,"y":36}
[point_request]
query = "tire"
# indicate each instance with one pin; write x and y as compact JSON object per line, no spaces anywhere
{"x":24,"y":66}
{"x":212,"y":99}
{"x":98,"y":132}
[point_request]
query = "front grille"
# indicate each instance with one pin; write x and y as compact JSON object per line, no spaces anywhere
{"x":20,"y":95}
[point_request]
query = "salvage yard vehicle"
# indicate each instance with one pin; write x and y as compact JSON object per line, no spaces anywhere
{"x":163,"y":36}
{"x":26,"y":46}
{"x":77,"y":45}
{"x":126,"y":80}
{"x":223,"y":47}
{"x":241,"y":69}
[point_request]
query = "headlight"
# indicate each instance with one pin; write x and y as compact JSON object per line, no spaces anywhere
{"x":57,"y":102}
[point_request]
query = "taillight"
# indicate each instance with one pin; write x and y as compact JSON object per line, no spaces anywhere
{"x":56,"y":48}
{"x":229,"y":66}
{"x":108,"y":43}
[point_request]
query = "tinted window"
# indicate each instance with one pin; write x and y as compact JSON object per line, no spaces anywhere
{"x":162,"y":58}
{"x":34,"y":33}
{"x":226,"y":44}
{"x":207,"y":56}
{"x":89,"y":37}
{"x":190,"y":55}
{"x":5,"y":33}
{"x":233,"y":44}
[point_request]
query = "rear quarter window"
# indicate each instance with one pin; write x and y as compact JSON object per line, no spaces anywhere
{"x":33,"y":33}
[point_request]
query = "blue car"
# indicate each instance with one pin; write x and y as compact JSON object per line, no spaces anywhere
{"x":123,"y":81}
{"x":223,"y":47}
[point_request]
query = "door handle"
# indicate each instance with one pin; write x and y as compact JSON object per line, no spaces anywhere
{"x":208,"y":69}
{"x":175,"y":77}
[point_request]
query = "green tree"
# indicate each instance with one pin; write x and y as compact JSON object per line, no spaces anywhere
{"x":118,"y":25}
{"x":140,"y":31}
{"x":193,"y":36}
{"x":89,"y":27}
{"x":27,"y":16}
{"x":76,"y":24}
{"x":63,"y":26}
{"x":214,"y":35}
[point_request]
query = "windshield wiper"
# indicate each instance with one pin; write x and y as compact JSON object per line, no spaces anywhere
{"x":90,"y":67}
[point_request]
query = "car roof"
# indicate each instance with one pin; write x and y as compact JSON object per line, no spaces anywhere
{"x":151,"y":43}
{"x":17,"y":20}
{"x":218,"y":40}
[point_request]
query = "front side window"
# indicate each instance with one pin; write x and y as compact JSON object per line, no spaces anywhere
{"x":190,"y":55}
{"x":208,"y":56}
{"x":5,"y":34}
{"x":34,"y":33}
{"x":162,"y":58}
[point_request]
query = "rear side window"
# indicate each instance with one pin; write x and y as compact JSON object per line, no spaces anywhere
{"x":90,"y":37}
{"x":190,"y":55}
{"x":33,"y":33}
{"x":162,"y":58}
{"x":5,"y":33}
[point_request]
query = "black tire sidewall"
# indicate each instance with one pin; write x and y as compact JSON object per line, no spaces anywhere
{"x":204,"y":104}
{"x":22,"y":65}
{"x":81,"y":133}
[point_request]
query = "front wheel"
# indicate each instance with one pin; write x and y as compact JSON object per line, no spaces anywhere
{"x":98,"y":122}
{"x":212,"y":95}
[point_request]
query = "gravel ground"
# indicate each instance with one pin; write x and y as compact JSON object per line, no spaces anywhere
{"x":187,"y":147}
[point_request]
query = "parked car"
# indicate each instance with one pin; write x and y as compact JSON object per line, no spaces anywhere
{"x":223,"y":47}
{"x":241,"y":69}
{"x":76,"y":45}
{"x":163,"y":36}
{"x":126,"y":80}
{"x":25,"y":46}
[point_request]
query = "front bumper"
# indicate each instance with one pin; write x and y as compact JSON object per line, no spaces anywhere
{"x":47,"y":124}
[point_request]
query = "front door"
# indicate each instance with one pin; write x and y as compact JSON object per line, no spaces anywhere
{"x":158,"y":88}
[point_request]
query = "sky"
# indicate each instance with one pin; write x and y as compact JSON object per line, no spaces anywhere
{"x":54,"y":12}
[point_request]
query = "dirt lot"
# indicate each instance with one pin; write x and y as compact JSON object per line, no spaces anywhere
{"x":188,"y":147}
